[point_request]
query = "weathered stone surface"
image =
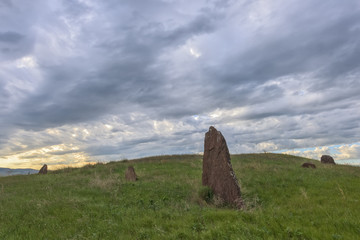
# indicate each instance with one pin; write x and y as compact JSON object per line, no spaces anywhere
{"x":43,"y":170}
{"x":327,"y":159}
{"x":308,"y":165}
{"x":217,"y":169}
{"x":130,"y":174}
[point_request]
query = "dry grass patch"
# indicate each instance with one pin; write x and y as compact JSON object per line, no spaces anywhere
{"x":105,"y":183}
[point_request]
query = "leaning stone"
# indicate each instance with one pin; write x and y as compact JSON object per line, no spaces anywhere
{"x":130,"y":174}
{"x":327,"y":159}
{"x":308,"y":165}
{"x":43,"y":170}
{"x":217,"y":169}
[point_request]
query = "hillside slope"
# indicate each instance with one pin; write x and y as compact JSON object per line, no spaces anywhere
{"x":18,"y":171}
{"x":283,"y":201}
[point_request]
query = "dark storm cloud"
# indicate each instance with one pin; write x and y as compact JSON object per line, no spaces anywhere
{"x":10,"y":37}
{"x":281,"y":68}
{"x":5,"y":3}
{"x":16,"y":24}
{"x":132,"y":78}
{"x":72,"y":94}
{"x":310,"y":43}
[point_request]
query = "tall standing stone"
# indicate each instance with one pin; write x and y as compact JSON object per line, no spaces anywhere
{"x":130,"y":174}
{"x":327,"y":159}
{"x":217,"y":169}
{"x":43,"y":170}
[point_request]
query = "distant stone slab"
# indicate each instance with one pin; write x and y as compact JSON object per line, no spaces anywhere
{"x":130,"y":174}
{"x":327,"y":159}
{"x":43,"y":170}
{"x":217,"y":169}
{"x":308,"y":165}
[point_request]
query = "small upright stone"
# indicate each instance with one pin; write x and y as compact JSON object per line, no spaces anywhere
{"x":308,"y":165}
{"x":327,"y":159}
{"x":217,"y":169}
{"x":130,"y":174}
{"x":43,"y":170}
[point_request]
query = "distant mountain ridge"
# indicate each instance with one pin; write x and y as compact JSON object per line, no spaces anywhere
{"x":9,"y":171}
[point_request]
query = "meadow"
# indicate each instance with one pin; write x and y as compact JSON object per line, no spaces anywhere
{"x":283,"y":201}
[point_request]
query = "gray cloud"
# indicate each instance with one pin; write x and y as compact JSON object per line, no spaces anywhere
{"x":17,"y":24}
{"x":6,"y":3}
{"x":10,"y":37}
{"x":283,"y":75}
{"x":64,"y":152}
{"x":72,"y":94}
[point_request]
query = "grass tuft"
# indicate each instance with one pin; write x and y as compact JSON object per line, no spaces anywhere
{"x":206,"y":194}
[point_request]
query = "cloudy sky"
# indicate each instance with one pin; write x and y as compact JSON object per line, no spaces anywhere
{"x":91,"y":80}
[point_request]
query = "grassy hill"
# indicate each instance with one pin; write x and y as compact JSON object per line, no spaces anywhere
{"x":283,"y":201}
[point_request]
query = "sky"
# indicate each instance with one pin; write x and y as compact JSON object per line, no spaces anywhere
{"x":84,"y":81}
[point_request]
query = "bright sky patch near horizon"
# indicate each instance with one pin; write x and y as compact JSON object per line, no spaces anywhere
{"x":83,"y":81}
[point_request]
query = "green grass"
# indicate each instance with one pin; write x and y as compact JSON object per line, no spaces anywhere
{"x":283,"y":201}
